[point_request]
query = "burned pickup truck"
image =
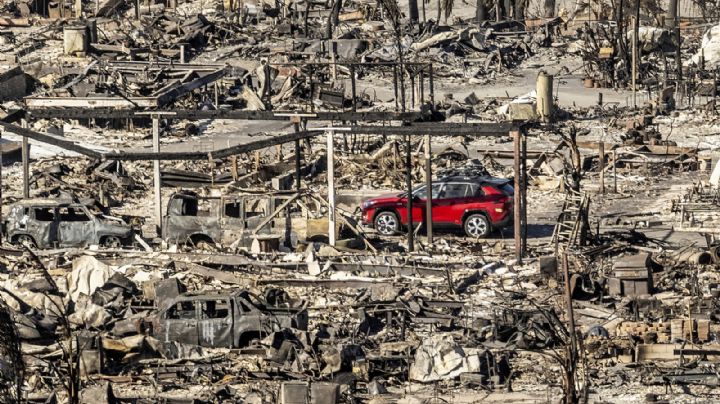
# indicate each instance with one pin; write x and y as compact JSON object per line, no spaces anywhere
{"x":48,"y":223}
{"x":224,"y":320}
{"x":204,"y":221}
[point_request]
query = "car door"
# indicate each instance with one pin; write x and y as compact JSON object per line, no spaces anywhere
{"x":420,"y":203}
{"x":41,"y":224}
{"x":179,"y":323}
{"x":75,"y":227}
{"x":445,"y":211}
{"x":215,"y":325}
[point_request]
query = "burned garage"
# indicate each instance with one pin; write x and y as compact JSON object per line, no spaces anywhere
{"x":359,"y":201}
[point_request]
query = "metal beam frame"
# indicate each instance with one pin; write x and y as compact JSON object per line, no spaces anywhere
{"x":110,"y":113}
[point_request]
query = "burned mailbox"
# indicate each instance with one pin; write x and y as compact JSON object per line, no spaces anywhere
{"x":223,"y":319}
{"x":632,"y":276}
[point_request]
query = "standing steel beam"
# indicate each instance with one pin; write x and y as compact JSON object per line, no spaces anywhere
{"x":331,"y":185}
{"x":428,"y":191}
{"x":408,"y":183}
{"x":517,"y":197}
{"x":25,"y":162}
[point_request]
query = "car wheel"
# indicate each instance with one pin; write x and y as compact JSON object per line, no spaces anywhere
{"x":477,"y":225}
{"x":112,"y":242}
{"x":25,"y":240}
{"x":387,"y":223}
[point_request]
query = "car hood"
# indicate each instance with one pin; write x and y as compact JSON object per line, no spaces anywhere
{"x":390,"y":197}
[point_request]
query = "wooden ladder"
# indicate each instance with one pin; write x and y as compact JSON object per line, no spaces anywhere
{"x":570,"y":220}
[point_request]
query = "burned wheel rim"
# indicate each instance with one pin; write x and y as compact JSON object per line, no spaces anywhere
{"x":112,"y":242}
{"x":477,"y":226}
{"x":26,"y":241}
{"x":386,"y":223}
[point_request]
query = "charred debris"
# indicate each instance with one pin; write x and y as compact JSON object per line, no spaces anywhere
{"x":206,"y":201}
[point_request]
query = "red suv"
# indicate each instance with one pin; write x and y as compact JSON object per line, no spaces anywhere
{"x":478,"y":205}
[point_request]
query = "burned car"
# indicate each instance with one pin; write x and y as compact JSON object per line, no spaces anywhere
{"x":224,"y":320}
{"x":204,"y":221}
{"x":48,"y":223}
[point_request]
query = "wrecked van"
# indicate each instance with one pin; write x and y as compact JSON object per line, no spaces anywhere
{"x":48,"y":223}
{"x":204,"y":221}
{"x":223,"y":320}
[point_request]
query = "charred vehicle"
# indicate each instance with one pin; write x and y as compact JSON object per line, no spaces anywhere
{"x":227,"y":220}
{"x":224,"y":320}
{"x":48,"y":223}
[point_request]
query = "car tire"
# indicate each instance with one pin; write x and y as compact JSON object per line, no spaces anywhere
{"x":477,"y":226}
{"x":386,"y":223}
{"x":25,"y":240}
{"x":112,"y":242}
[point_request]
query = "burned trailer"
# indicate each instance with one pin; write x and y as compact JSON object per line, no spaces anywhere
{"x":48,"y":223}
{"x":224,"y":319}
{"x":236,"y":220}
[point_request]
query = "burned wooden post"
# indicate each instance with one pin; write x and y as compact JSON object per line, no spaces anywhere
{"x":614,"y":168}
{"x":353,"y":88}
{"x":635,"y":56}
{"x":296,"y":127}
{"x":408,"y":184}
{"x":331,"y":185}
{"x":156,"y":175}
{"x":601,"y":165}
{"x":413,"y":11}
{"x":549,"y":8}
{"x":428,"y":191}
{"x":1,"y":195}
{"x":570,"y":394}
{"x":431,"y":88}
{"x":517,"y":214}
{"x":480,"y":12}
{"x":25,"y":162}
{"x":523,"y":193}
